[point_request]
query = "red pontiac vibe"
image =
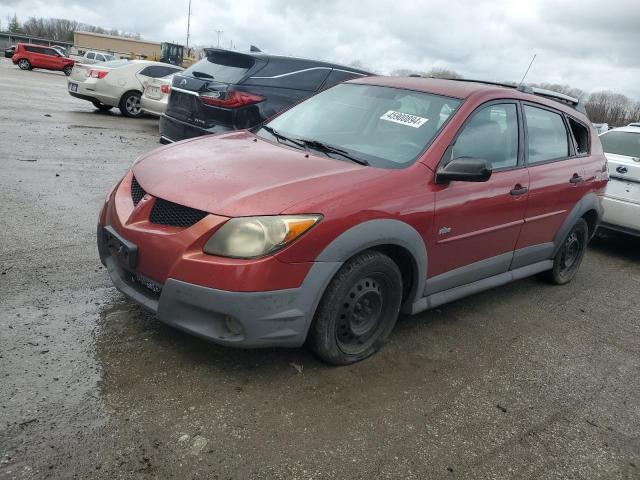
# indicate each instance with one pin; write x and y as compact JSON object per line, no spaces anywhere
{"x":376,"y":196}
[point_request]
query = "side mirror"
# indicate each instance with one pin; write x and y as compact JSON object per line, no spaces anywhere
{"x":464,"y":169}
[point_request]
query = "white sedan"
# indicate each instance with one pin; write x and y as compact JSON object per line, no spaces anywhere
{"x":156,"y":96}
{"x":118,"y":83}
{"x":621,"y":200}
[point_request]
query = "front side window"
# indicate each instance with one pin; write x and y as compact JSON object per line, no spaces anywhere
{"x":621,"y":143}
{"x":386,"y":127}
{"x":547,"y":135}
{"x":91,"y":56}
{"x":491,"y":134}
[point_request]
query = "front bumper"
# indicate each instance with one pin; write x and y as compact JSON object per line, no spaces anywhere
{"x":274,"y":318}
{"x":173,"y":130}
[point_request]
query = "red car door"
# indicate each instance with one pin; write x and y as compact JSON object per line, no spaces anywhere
{"x":477,"y":224}
{"x":557,"y":178}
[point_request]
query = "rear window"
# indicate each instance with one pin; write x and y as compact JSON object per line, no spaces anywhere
{"x":226,"y":67}
{"x":621,"y":143}
{"x":547,"y":135}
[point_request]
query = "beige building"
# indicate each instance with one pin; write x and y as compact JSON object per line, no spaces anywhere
{"x":120,"y":46}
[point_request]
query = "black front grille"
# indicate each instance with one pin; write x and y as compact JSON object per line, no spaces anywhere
{"x":169,"y":213}
{"x":137,"y":192}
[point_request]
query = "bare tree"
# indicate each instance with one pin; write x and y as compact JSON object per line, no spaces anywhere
{"x":612,"y":108}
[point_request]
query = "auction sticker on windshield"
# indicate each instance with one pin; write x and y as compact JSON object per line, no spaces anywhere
{"x":404,"y":119}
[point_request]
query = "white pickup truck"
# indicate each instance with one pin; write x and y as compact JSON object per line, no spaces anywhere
{"x":90,"y":57}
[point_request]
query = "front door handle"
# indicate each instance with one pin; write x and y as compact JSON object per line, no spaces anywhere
{"x":519,"y":190}
{"x":576,"y":178}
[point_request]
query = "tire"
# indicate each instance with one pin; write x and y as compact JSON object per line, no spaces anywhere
{"x":358,"y":310}
{"x":569,"y":257}
{"x":101,"y":106}
{"x":130,"y":105}
{"x":24,"y":64}
{"x":67,"y":70}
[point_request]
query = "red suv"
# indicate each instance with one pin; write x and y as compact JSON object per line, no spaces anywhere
{"x":374,"y":197}
{"x":28,"y":57}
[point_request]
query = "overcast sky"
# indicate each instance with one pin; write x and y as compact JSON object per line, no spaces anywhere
{"x":589,"y":44}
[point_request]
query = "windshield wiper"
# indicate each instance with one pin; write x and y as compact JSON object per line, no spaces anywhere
{"x":280,"y":136}
{"x":325,"y":147}
{"x":201,"y":75}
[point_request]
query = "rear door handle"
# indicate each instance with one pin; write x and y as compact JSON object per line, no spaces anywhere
{"x":519,"y":190}
{"x":576,"y":178}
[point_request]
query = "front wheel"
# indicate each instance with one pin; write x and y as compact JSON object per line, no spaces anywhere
{"x":358,"y":310}
{"x":569,"y":257}
{"x":24,"y":64}
{"x":130,"y":105}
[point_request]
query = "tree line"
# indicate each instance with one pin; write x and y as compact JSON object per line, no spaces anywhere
{"x":604,"y":106}
{"x":59,"y":29}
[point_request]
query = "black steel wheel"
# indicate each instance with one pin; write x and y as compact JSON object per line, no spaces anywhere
{"x":358,"y":310}
{"x":570,"y":255}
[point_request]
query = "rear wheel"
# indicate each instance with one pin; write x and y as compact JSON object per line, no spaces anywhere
{"x":101,"y":106}
{"x":24,"y":64}
{"x":358,"y":310}
{"x":67,"y":70}
{"x":569,"y":257}
{"x":130,"y":105}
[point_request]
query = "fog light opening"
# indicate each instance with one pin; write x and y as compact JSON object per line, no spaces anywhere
{"x":232,"y":325}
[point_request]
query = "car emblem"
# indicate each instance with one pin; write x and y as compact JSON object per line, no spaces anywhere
{"x":183,"y":82}
{"x":444,"y":230}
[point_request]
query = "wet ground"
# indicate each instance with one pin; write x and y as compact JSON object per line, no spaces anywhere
{"x":526,"y":381}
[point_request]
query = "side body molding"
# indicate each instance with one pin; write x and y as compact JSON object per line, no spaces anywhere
{"x":382,"y":232}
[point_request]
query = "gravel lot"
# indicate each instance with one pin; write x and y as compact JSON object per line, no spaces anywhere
{"x":526,"y":381}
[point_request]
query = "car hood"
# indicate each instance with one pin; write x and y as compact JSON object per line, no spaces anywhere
{"x":239,"y":174}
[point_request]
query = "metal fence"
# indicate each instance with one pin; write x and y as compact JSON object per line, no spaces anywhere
{"x":7,"y":39}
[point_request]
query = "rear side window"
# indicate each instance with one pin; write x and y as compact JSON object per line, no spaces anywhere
{"x":157,"y":71}
{"x":226,"y":67}
{"x":491,"y":134}
{"x":547,"y":135}
{"x":91,"y":56}
{"x":581,"y":135}
{"x":621,"y":143}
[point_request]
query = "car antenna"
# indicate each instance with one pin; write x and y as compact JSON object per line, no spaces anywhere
{"x":528,"y":68}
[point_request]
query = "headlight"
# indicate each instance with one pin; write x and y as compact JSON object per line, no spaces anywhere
{"x":250,"y":237}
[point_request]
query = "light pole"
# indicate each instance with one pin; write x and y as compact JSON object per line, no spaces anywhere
{"x":219,"y":32}
{"x":188,"y":24}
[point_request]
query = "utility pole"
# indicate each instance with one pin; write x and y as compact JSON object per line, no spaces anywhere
{"x":188,"y":24}
{"x":219,"y":32}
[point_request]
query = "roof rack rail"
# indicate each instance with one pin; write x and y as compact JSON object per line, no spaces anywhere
{"x":550,"y":94}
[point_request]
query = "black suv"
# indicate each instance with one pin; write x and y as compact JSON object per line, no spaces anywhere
{"x":230,"y":90}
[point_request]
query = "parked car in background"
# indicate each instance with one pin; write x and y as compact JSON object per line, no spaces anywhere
{"x":118,"y":83}
{"x":231,"y":90}
{"x":156,"y":96}
{"x":28,"y":57}
{"x":375,"y":196}
{"x":8,"y":52}
{"x":636,"y":124}
{"x":601,"y":127}
{"x":622,"y":198}
{"x":61,"y":50}
{"x":91,"y":57}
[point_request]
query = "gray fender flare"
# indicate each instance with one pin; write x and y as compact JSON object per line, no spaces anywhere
{"x":589,"y":202}
{"x":374,"y":233}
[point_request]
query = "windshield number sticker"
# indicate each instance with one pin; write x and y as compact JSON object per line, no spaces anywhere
{"x":404,"y":119}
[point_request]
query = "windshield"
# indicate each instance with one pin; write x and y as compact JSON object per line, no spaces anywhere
{"x":621,"y":143}
{"x":382,"y":126}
